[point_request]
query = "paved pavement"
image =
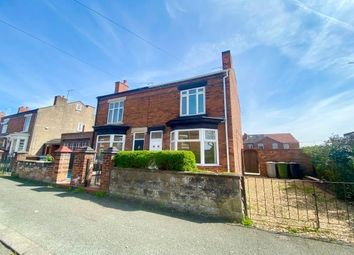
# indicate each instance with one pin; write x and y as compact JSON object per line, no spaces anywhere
{"x":4,"y":250}
{"x":55,"y":221}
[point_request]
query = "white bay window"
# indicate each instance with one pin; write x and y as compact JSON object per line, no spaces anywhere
{"x":202,"y":142}
{"x":111,"y":140}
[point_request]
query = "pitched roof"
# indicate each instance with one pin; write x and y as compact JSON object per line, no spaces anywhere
{"x":280,"y":137}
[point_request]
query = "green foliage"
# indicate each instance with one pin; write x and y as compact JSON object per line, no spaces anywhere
{"x":334,"y":160}
{"x":49,"y":158}
{"x":79,"y":190}
{"x":247,"y":222}
{"x":163,"y":160}
{"x":100,"y":193}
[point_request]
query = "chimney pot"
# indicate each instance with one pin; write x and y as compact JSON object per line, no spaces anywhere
{"x":121,"y":86}
{"x":60,"y":100}
{"x":22,"y":109}
{"x":226,"y":60}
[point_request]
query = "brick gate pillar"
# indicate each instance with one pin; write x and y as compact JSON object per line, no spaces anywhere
{"x":61,"y":164}
{"x":82,"y":166}
{"x":107,"y":166}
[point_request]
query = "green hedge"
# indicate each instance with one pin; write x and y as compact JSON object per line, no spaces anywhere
{"x":163,"y":160}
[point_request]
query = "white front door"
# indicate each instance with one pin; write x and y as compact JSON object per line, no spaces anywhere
{"x":156,"y":140}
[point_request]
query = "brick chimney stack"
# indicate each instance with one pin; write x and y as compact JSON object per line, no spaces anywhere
{"x":22,"y":109}
{"x":121,"y":86}
{"x":226,"y":60}
{"x":2,"y":115}
{"x":60,"y":100}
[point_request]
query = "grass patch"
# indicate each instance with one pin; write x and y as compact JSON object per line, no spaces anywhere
{"x":100,"y":194}
{"x":247,"y":222}
{"x":79,"y":190}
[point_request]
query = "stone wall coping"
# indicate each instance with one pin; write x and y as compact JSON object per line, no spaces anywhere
{"x":36,"y":161}
{"x":228,"y":175}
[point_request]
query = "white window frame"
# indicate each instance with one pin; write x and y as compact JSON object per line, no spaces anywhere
{"x":275,"y":146}
{"x":260,"y":146}
{"x":138,"y":139}
{"x":202,"y":141}
{"x":156,"y":131}
{"x":4,"y":126}
{"x":18,"y":138}
{"x":182,"y":95}
{"x":111,"y":140}
{"x":78,"y":107}
{"x":111,"y":102}
{"x":286,"y":146}
{"x":80,"y":127}
{"x":27,"y":123}
{"x":250,"y":146}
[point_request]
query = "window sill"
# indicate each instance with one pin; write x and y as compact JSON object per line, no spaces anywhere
{"x":216,"y":165}
{"x":118,"y":123}
{"x":192,"y":115}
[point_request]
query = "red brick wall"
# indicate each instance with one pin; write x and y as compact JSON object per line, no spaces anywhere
{"x":158,"y":105}
{"x":295,"y":155}
{"x":16,"y":123}
{"x":234,"y":117}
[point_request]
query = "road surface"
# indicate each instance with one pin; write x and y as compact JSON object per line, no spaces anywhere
{"x":46,"y":220}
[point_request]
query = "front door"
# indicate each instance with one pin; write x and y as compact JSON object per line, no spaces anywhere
{"x":156,"y":140}
{"x":138,"y":144}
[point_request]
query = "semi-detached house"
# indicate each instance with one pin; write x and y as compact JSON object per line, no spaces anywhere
{"x":200,"y":114}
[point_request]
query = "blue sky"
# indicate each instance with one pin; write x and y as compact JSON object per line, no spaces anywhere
{"x":291,"y":57}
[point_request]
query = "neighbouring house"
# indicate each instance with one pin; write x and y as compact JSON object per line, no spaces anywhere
{"x":281,"y":147}
{"x":349,"y":135}
{"x":2,"y":115}
{"x":270,"y":141}
{"x":31,"y":131}
{"x":200,"y":114}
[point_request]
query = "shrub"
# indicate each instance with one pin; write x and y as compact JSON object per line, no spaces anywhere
{"x":49,"y":158}
{"x":163,"y":160}
{"x":247,"y":222}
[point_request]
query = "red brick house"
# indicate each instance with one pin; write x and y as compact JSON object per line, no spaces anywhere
{"x":201,"y":114}
{"x":284,"y":141}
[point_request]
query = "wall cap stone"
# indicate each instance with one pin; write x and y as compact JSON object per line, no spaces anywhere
{"x":64,"y":149}
{"x":86,"y":149}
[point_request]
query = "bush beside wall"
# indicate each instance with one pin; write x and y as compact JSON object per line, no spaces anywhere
{"x":162,"y":160}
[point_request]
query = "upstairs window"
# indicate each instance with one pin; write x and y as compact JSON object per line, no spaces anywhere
{"x":78,"y":107}
{"x":192,"y":102}
{"x":286,"y":146}
{"x":261,"y":146}
{"x":27,"y":123}
{"x":80,"y":127}
{"x":115,"y":112}
{"x":250,"y":146}
{"x":274,"y":146}
{"x":4,"y":126}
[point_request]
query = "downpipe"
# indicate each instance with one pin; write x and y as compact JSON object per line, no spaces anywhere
{"x":226,"y":122}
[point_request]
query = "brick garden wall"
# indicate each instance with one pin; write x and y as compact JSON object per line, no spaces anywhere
{"x":202,"y":194}
{"x":35,"y":170}
{"x":296,"y":155}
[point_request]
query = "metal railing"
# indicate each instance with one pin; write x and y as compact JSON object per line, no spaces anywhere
{"x":6,"y":166}
{"x":306,"y":203}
